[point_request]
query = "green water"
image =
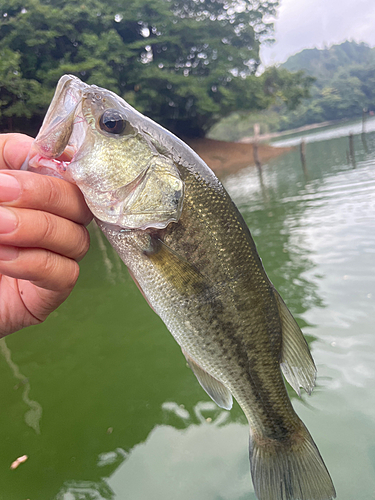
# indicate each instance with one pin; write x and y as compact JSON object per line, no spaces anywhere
{"x":101,"y":400}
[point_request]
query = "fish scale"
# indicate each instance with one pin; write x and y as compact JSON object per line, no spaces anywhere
{"x":191,"y":254}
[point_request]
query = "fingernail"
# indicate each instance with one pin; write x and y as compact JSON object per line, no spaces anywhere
{"x":9,"y":188}
{"x":8,"y":221}
{"x":8,"y":253}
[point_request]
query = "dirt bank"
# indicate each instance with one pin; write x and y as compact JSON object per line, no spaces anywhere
{"x":227,"y":157}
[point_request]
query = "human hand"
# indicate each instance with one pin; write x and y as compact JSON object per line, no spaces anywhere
{"x":42,"y":237}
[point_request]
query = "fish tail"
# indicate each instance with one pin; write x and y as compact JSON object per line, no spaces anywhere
{"x":291,"y":469}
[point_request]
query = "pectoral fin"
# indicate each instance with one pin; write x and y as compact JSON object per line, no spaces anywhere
{"x":215,"y":389}
{"x":296,"y":361}
{"x":185,"y":277}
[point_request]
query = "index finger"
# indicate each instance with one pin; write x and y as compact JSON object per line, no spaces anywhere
{"x":24,"y":189}
{"x":41,"y":192}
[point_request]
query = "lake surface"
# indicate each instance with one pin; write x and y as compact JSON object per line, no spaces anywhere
{"x":100,"y":398}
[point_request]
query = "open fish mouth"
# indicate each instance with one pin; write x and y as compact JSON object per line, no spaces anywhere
{"x":62,"y":133}
{"x":56,"y":167}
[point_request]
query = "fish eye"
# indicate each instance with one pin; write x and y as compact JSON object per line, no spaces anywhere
{"x":112,"y":121}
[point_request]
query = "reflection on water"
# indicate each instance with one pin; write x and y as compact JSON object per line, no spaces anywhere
{"x":124,"y":418}
{"x":34,"y":414}
{"x":163,"y":466}
{"x":273,"y":223}
{"x":85,"y":490}
{"x":326,"y":226}
{"x":111,"y":260}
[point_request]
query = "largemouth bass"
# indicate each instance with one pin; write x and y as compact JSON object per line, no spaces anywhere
{"x":191,"y":254}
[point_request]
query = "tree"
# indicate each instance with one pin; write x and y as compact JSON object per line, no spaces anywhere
{"x":184,"y":63}
{"x":286,"y":88}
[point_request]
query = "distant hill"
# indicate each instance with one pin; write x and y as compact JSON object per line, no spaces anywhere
{"x":324,"y":63}
{"x":344,"y":86}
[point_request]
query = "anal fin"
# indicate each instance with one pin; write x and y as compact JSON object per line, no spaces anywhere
{"x":296,"y":363}
{"x":215,"y":389}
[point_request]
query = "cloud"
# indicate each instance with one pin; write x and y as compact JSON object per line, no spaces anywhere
{"x":315,"y":23}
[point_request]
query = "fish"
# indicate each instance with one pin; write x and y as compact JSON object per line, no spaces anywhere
{"x":192,"y":256}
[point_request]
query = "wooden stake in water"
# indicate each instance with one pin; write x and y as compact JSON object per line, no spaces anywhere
{"x":303,"y":157}
{"x":363,"y":135}
{"x":364,"y":116}
{"x":351,"y":150}
{"x":255,"y":146}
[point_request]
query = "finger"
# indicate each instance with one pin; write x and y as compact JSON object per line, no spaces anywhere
{"x":39,"y":302}
{"x":30,"y":190}
{"x":14,"y":149}
{"x":49,"y":232}
{"x":43,"y":268}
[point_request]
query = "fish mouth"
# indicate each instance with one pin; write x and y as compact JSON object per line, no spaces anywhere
{"x":62,"y":132}
{"x":55,"y":167}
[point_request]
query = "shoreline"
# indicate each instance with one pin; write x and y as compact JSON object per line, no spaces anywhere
{"x":229,"y":157}
{"x":304,"y":128}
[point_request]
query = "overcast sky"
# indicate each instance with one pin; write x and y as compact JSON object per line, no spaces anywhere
{"x":315,"y":23}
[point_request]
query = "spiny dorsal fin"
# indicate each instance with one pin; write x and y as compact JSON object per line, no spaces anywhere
{"x":215,"y":389}
{"x":296,"y":362}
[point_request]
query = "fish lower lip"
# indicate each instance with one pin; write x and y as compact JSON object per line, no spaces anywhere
{"x":57,"y":167}
{"x":38,"y":161}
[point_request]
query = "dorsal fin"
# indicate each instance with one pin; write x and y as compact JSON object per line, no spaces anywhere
{"x":296,"y":361}
{"x":215,"y":389}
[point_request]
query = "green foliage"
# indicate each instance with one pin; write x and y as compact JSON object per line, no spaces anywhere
{"x":287,"y":88}
{"x":344,"y":85}
{"x":184,"y":63}
{"x":340,"y":81}
{"x":275,"y":89}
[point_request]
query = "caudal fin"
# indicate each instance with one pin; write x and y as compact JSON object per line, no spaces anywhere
{"x":289,"y":470}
